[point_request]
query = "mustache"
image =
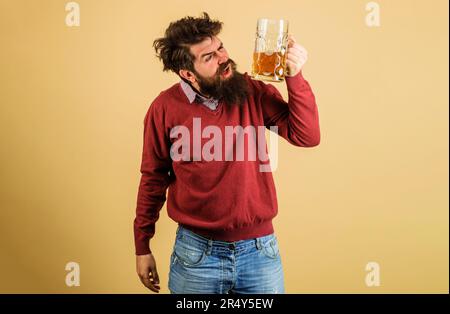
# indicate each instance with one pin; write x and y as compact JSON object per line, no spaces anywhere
{"x":223,"y":66}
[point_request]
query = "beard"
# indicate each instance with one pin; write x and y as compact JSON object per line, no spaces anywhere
{"x":232,"y":90}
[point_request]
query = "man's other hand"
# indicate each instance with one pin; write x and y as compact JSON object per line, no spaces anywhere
{"x":146,"y":270}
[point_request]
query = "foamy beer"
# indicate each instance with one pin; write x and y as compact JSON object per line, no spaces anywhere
{"x":269,"y":57}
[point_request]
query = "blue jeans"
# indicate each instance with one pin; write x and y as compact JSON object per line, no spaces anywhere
{"x":203,"y":266}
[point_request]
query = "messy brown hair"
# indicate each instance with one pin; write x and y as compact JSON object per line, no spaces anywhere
{"x":174,"y":48}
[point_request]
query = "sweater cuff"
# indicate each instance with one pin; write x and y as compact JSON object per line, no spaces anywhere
{"x":142,"y":247}
{"x":297,"y":80}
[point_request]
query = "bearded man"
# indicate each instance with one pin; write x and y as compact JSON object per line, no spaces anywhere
{"x":225,"y":240}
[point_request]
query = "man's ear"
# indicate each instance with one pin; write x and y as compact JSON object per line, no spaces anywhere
{"x":188,"y":75}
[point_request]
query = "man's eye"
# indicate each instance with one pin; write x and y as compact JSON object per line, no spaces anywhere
{"x":208,"y":58}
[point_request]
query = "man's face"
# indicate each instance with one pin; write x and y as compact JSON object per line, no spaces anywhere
{"x":215,"y":73}
{"x":211,"y":58}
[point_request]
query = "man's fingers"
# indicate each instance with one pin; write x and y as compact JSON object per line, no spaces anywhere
{"x":150,"y":282}
{"x":296,"y":56}
{"x":152,"y":285}
{"x":155,"y":276}
{"x":294,"y":52}
{"x":291,"y":40}
{"x":297,"y":49}
{"x":293,"y":58}
{"x":290,"y":63}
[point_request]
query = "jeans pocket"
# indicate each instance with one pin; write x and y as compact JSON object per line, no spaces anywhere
{"x":188,"y":254}
{"x":270,"y":248}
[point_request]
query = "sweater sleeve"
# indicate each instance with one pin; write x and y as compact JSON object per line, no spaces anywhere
{"x":298,"y":119}
{"x":155,"y":177}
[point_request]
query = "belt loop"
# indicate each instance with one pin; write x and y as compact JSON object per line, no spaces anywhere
{"x":209,"y":248}
{"x":258,"y":243}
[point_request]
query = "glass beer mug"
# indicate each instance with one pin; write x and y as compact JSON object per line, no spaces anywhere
{"x":269,"y":57}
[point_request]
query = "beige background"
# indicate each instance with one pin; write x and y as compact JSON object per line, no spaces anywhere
{"x":72,"y":107}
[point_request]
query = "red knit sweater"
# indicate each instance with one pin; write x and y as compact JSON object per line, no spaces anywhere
{"x":219,"y":199}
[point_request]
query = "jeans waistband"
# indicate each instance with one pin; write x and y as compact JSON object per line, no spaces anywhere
{"x":210,"y":243}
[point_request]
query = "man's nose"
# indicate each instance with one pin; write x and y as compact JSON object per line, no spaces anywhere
{"x":223,"y":57}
